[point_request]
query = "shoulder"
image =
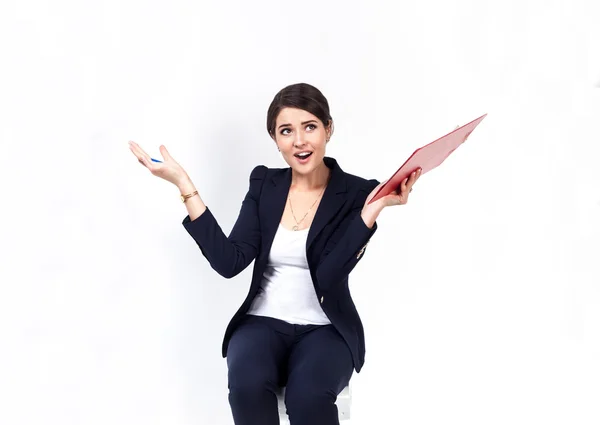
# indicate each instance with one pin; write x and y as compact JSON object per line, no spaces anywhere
{"x":262,"y":172}
{"x":259,"y":172}
{"x":361,"y":183}
{"x":360,"y":188}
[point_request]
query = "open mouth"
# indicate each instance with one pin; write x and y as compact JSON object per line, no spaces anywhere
{"x":303,"y":155}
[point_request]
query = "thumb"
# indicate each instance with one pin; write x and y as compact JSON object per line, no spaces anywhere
{"x":165,"y":154}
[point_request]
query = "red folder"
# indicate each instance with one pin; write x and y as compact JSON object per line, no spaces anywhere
{"x":428,"y":157}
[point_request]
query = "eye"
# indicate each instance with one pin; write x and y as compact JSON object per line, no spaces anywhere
{"x":309,"y":126}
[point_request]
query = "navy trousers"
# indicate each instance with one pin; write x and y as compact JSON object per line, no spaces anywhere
{"x":312,"y":361}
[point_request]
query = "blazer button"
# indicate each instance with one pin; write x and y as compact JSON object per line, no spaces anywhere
{"x":322,"y":299}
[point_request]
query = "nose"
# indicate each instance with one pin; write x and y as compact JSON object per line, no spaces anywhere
{"x":298,"y":139}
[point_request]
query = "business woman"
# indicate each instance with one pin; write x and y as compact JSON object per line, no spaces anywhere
{"x":306,"y":226}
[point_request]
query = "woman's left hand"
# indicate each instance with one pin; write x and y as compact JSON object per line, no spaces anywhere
{"x":393,"y":198}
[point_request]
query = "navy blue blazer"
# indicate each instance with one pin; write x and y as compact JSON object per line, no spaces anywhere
{"x":337,"y":239}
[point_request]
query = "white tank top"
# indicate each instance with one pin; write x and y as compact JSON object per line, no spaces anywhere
{"x":286,"y":290}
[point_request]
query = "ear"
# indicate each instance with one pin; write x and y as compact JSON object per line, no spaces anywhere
{"x":330,"y":128}
{"x":275,"y":140}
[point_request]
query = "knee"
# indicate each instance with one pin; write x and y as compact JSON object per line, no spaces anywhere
{"x":252,"y":402}
{"x":245,"y":395}
{"x":307,"y":402}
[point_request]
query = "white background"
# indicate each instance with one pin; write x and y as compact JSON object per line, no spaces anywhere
{"x":480,"y":298}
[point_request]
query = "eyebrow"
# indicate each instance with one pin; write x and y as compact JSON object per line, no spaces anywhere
{"x":304,"y":123}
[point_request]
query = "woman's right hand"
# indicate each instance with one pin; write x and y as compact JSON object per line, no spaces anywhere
{"x":169,"y":169}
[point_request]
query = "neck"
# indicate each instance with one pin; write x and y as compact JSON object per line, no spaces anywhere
{"x":315,"y":180}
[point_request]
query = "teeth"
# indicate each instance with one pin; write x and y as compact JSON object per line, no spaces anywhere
{"x":303,"y":155}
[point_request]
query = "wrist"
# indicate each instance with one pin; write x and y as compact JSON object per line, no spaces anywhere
{"x":369,"y":216}
{"x":186,"y":186}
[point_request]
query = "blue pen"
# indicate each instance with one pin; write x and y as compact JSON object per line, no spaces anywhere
{"x":155,"y":160}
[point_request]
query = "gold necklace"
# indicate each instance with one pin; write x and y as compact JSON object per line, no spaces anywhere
{"x":295,"y":228}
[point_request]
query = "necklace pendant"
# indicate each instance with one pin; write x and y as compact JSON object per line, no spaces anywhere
{"x":295,"y":228}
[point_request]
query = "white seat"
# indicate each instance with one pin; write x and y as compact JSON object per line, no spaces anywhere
{"x":343,"y":404}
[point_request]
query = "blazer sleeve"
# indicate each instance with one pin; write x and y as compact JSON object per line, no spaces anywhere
{"x":230,"y":255}
{"x":347,"y":244}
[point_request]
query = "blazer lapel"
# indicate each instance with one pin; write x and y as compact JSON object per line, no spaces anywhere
{"x":333,"y":200}
{"x":280,"y":186}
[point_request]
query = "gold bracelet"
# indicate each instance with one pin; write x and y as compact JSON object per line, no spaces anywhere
{"x":184,"y":198}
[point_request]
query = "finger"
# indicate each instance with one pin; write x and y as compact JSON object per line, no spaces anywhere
{"x":403,"y":186}
{"x":419,"y":172}
{"x":411,"y":180}
{"x":142,"y":161}
{"x":410,"y":186}
{"x":417,"y":175}
{"x":146,"y":157}
{"x":404,"y":182}
{"x":141,"y":157}
{"x":413,"y":176}
{"x":165,"y":153}
{"x":140,"y":152}
{"x":133,"y":149}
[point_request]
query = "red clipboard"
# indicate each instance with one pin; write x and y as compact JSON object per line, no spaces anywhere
{"x":428,"y":157}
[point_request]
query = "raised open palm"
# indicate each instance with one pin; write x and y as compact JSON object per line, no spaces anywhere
{"x":169,"y":169}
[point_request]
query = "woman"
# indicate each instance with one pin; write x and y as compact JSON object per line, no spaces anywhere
{"x":307,"y":226}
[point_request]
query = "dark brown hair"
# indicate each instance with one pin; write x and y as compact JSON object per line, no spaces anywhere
{"x":302,"y":96}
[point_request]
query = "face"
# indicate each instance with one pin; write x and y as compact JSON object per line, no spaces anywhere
{"x":298,"y":131}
